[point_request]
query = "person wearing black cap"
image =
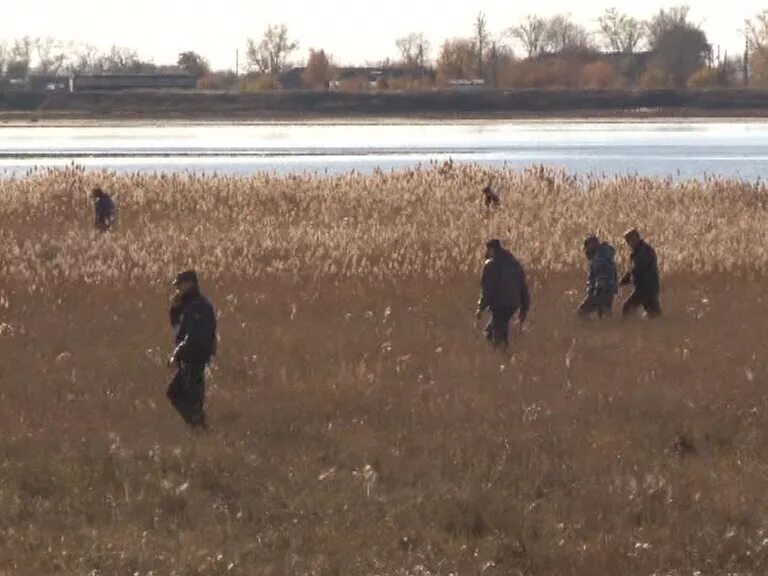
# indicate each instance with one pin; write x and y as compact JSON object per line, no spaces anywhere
{"x":644,"y":276}
{"x":603,"y":281}
{"x":504,"y":291}
{"x":194,"y":319}
{"x":104,"y":209}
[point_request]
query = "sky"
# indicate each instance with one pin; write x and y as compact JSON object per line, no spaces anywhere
{"x":353,"y":31}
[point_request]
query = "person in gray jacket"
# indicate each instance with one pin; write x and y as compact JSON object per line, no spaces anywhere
{"x":603,"y":280}
{"x":503,"y":291}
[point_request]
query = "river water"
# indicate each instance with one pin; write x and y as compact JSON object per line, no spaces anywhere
{"x":675,"y":148}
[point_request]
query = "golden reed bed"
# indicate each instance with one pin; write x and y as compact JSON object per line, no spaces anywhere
{"x":359,"y":425}
{"x":416,"y":223}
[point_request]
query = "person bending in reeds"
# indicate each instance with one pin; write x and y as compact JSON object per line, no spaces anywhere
{"x":503,"y":291}
{"x":104,"y":209}
{"x":194,"y":319}
{"x":490,"y":198}
{"x":643,"y":275}
{"x":603,"y":280}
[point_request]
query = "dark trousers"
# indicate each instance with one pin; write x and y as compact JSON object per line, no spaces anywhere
{"x":497,"y":330}
{"x":649,"y":301}
{"x":600,"y":303}
{"x":187,"y":392}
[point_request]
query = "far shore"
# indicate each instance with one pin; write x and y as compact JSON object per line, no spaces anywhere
{"x":66,"y":119}
{"x":290,"y":107}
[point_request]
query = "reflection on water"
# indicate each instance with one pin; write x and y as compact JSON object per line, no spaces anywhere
{"x":694,"y":149}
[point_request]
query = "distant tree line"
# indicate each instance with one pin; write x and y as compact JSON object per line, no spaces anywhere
{"x":666,"y":50}
{"x":49,"y":56}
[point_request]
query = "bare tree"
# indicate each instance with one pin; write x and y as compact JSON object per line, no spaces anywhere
{"x":20,"y":58}
{"x":457,"y":59}
{"x":121,"y":60}
{"x":756,"y":57}
{"x":499,"y":53}
{"x":531,"y":34}
{"x":271,"y":54}
{"x":414,"y":50}
{"x":564,"y":35}
{"x":622,"y":33}
{"x":85,"y":59}
{"x":51,"y":55}
{"x":319,"y":71}
{"x":664,"y":21}
{"x":682,"y":51}
{"x":3,"y":56}
{"x":757,"y":30}
{"x":194,"y":64}
{"x":481,"y":40}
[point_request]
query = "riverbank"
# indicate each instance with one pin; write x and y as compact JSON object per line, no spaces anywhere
{"x":318,"y":106}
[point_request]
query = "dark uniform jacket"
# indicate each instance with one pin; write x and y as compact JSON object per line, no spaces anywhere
{"x":195,"y":322}
{"x":603,"y":278}
{"x":104,"y":209}
{"x":644,"y":274}
{"x":503,"y":284}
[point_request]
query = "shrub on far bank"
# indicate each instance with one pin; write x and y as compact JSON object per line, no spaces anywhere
{"x":706,"y":78}
{"x":354,"y":84}
{"x":217,"y":81}
{"x":261,"y":83}
{"x":600,"y":76}
{"x":653,"y":78}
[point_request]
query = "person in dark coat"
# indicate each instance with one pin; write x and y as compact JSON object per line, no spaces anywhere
{"x":643,"y":275}
{"x":490,"y":198}
{"x":194,"y":319}
{"x":603,"y":281}
{"x":104,"y":209}
{"x":503,"y":291}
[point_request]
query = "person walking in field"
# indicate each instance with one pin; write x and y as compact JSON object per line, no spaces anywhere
{"x":194,"y":319}
{"x":643,"y":275}
{"x":603,"y":280}
{"x":503,"y":291}
{"x":104,"y":209}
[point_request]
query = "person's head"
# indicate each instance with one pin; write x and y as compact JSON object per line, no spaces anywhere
{"x":97,"y":193}
{"x":185,"y":281}
{"x":632,"y":238}
{"x":492,"y":248}
{"x":591,"y":244}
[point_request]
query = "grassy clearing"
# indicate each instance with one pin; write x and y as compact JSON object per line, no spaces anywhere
{"x":360,"y":426}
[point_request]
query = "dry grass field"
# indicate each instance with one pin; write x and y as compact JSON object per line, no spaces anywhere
{"x":359,"y":424}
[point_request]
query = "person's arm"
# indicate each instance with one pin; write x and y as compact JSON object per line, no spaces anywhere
{"x":108,"y":212}
{"x":525,"y":297}
{"x":215,"y":340}
{"x":626,"y":279}
{"x":174,"y":312}
{"x":485,"y":289}
{"x":592,"y":278}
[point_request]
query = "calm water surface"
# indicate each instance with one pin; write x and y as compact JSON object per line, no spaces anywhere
{"x":679,"y":149}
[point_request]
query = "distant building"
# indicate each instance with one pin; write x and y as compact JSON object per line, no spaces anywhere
{"x":293,"y":79}
{"x":109,"y":82}
{"x":98,"y":82}
{"x":47,"y":83}
{"x":466,"y":83}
